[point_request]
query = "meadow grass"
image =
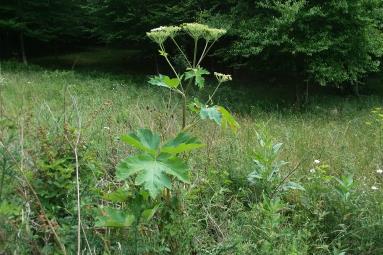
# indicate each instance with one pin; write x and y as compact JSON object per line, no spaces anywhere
{"x":331,"y":129}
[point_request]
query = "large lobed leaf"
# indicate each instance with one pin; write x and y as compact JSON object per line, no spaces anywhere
{"x":228,"y":120}
{"x":182,"y":143}
{"x":116,"y":218}
{"x":220,"y":115}
{"x":211,"y":113}
{"x":164,"y":81}
{"x":143,"y":139}
{"x":152,"y":172}
{"x":197,"y":74}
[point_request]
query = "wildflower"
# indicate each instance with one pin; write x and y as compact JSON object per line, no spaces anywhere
{"x":312,"y":170}
{"x":198,"y":31}
{"x":107,"y":128}
{"x":160,"y":34}
{"x":374,"y":188}
{"x":158,"y":29}
{"x":379,"y":171}
{"x":317,"y":161}
{"x":222,"y":77}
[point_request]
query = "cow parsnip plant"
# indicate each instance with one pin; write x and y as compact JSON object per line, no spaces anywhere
{"x":156,"y":163}
{"x":159,"y":164}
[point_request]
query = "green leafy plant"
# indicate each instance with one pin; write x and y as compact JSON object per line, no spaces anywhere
{"x":154,"y":169}
{"x":344,"y":186}
{"x":266,"y":176}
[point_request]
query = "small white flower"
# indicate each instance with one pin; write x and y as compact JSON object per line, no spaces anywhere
{"x":374,"y":188}
{"x":379,"y":171}
{"x":317,"y":161}
{"x":157,"y":29}
{"x":107,"y":128}
{"x":312,"y":170}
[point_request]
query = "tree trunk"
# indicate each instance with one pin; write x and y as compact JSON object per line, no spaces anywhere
{"x":22,"y":49}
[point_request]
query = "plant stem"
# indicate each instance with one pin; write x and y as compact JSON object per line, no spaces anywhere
{"x":136,"y":236}
{"x":162,"y":47}
{"x":215,"y":91}
{"x":184,"y":111}
{"x":207,"y":51}
{"x":78,"y":203}
{"x":77,"y":166}
{"x":182,"y":52}
{"x":203,"y":52}
{"x":195,"y":52}
{"x":182,"y":93}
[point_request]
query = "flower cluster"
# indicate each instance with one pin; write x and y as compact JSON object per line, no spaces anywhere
{"x":195,"y":30}
{"x":198,"y":31}
{"x":160,"y":34}
{"x":222,"y":77}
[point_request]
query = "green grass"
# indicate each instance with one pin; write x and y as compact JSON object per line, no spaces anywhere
{"x":331,"y":129}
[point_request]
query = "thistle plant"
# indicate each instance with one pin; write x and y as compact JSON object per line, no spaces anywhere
{"x":194,"y":74}
{"x":266,"y":176}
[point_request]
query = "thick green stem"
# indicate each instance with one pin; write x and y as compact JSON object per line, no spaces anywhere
{"x":206,"y":52}
{"x":184,"y":111}
{"x":171,"y":66}
{"x":195,"y":52}
{"x":182,"y":52}
{"x":212,"y":95}
{"x":203,"y":52}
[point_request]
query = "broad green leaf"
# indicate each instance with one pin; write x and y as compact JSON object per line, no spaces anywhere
{"x":164,"y":81}
{"x":171,"y":82}
{"x":120,"y":195}
{"x":293,"y":186}
{"x":152,"y":172}
{"x":148,"y":214}
{"x":143,"y":139}
{"x":211,"y":113}
{"x":197,"y":74}
{"x":183,"y":142}
{"x":111,"y":217}
{"x":228,"y":119}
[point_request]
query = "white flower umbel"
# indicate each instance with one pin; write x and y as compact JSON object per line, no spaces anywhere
{"x":222,"y":77}
{"x":379,"y":171}
{"x":160,"y":34}
{"x":374,"y":188}
{"x":312,"y":170}
{"x":317,"y":161}
{"x":198,"y":31}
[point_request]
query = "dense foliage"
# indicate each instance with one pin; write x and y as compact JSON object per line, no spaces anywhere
{"x":328,"y":42}
{"x":331,"y":42}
